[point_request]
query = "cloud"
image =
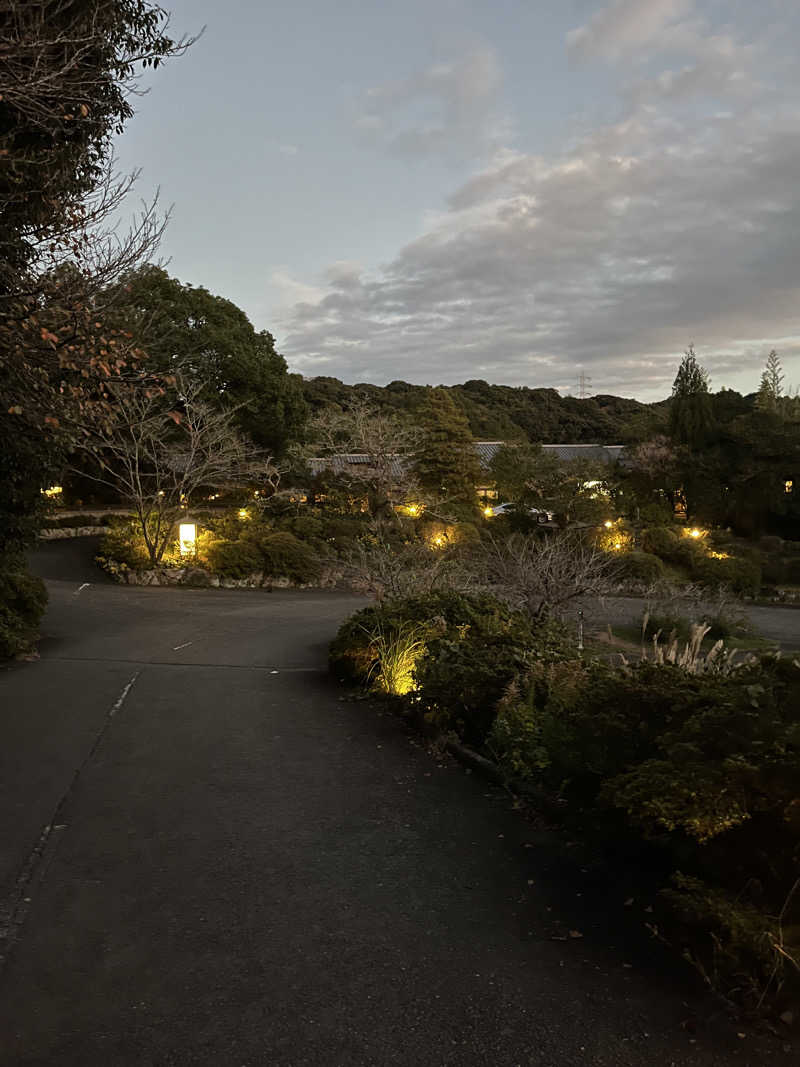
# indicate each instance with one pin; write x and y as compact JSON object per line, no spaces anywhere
{"x":627,"y":26}
{"x":449,"y":107}
{"x":292,"y":292}
{"x":676,"y":224}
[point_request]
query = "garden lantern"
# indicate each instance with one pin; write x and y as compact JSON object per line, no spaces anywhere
{"x":187,"y":538}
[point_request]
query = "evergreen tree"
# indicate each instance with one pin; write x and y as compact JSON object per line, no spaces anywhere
{"x":690,"y":407}
{"x":770,"y":393}
{"x":447,"y":465}
{"x":214,"y":343}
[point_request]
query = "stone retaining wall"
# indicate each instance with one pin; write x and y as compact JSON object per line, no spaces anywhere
{"x":59,"y":533}
{"x":198,"y":578}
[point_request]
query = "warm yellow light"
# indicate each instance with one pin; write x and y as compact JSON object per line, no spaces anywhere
{"x":608,"y":524}
{"x":788,"y":485}
{"x":187,"y":536}
{"x":488,"y":512}
{"x":412,"y":510}
{"x":54,"y":490}
{"x":244,"y":513}
{"x":695,"y":533}
{"x":438,"y":541}
{"x":618,"y":544}
{"x":719,"y":555}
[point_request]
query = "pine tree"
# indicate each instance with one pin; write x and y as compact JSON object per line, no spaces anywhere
{"x":690,"y":409}
{"x":770,"y":393}
{"x":447,"y":465}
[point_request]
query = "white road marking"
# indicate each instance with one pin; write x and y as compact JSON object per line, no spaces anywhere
{"x":177,"y":648}
{"x":121,"y":698}
{"x":14,"y":910}
{"x":84,"y":586}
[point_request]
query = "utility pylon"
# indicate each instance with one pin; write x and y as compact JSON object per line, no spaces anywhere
{"x":584,"y":384}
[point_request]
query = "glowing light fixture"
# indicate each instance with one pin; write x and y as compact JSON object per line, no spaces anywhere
{"x":488,"y":512}
{"x":187,"y":537}
{"x":412,"y":510}
{"x":53,"y":491}
{"x":788,"y":485}
{"x":244,"y":513}
{"x":608,"y":524}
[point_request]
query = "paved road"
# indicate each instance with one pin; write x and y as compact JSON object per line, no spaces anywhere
{"x":778,"y":624}
{"x":243,"y":869}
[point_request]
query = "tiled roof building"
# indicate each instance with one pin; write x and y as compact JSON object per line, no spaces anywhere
{"x":486,"y":451}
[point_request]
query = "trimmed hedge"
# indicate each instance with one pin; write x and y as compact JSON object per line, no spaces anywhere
{"x":743,"y":576}
{"x":282,"y":555}
{"x":660,"y":541}
{"x":640,"y":567}
{"x":233,"y":559}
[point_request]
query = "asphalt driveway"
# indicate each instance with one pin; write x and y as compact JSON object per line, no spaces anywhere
{"x":209,"y":857}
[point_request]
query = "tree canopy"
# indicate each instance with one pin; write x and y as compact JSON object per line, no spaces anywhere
{"x":446,"y":463}
{"x":215,"y":344}
{"x":690,"y":409}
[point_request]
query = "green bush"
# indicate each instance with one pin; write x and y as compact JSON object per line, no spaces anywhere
{"x":793,"y":570}
{"x":775,"y":571}
{"x":352,"y":652}
{"x":640,"y":567}
{"x":771,"y":546}
{"x":670,"y":546}
{"x":124,"y":543}
{"x":702,"y":767}
{"x":463,"y":675}
{"x":233,"y":559}
{"x":667,"y":623}
{"x":743,"y":576}
{"x":660,"y":541}
{"x":282,"y":555}
{"x":306,"y":528}
{"x":23,"y":598}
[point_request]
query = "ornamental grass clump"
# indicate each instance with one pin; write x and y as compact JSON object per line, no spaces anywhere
{"x":397,"y":650}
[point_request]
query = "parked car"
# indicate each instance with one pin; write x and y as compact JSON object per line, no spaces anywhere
{"x":540,"y":514}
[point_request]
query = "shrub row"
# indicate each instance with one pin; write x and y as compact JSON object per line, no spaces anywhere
{"x":742,"y":573}
{"x":703,"y":769}
{"x":229,"y":547}
{"x":697,"y":772}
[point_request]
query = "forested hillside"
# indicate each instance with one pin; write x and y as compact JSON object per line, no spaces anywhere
{"x":504,"y":412}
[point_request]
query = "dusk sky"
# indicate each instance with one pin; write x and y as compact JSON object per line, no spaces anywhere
{"x":438,"y":190}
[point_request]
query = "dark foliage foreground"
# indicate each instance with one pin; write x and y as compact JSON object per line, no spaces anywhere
{"x":694,"y":775}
